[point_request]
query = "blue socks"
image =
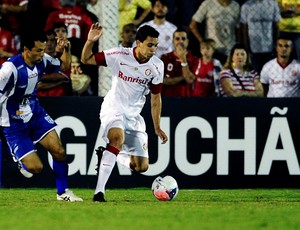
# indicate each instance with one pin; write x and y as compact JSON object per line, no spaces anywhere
{"x":60,"y":169}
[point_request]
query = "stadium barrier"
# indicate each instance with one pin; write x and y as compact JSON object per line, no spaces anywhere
{"x":213,"y":143}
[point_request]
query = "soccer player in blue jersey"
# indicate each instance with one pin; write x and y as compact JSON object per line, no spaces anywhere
{"x":24,"y":122}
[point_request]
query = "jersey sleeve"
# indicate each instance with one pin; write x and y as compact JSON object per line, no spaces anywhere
{"x":6,"y":76}
{"x":200,"y":14}
{"x":156,"y":83}
{"x":264,"y":75}
{"x":51,"y":64}
{"x":100,"y":59}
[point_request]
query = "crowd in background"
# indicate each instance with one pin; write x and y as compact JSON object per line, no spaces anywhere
{"x":209,"y":47}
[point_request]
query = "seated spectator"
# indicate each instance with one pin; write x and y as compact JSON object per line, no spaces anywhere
{"x":289,"y":25}
{"x":128,"y":12}
{"x":54,"y":84}
{"x":207,"y":71}
{"x":259,"y":20}
{"x":178,"y":76}
{"x":236,"y":78}
{"x":221,"y":17}
{"x":281,"y":76}
{"x":128,"y":35}
{"x":80,"y":81}
{"x":165,"y":28}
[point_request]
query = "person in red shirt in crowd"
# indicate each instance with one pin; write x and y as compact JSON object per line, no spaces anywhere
{"x":7,"y":44}
{"x":55,"y":84}
{"x":13,"y":15}
{"x":77,"y":20}
{"x":178,"y":76}
{"x":206,"y":71}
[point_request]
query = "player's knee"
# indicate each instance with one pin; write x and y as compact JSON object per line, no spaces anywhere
{"x":141,"y":168}
{"x":35,"y":168}
{"x":59,"y":154}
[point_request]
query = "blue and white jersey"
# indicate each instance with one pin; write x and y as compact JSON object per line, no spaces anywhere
{"x":18,"y":87}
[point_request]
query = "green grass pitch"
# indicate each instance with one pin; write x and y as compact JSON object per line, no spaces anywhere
{"x":138,"y":209}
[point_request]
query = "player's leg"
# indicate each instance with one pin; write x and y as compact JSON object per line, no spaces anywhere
{"x":115,"y":138}
{"x":53,"y":144}
{"x":135,"y":151}
{"x":21,"y":147}
{"x":44,"y":133}
{"x":139,"y":164}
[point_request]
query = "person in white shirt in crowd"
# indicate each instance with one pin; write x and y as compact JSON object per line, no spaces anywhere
{"x":259,"y":25}
{"x":222,"y":17}
{"x":281,"y":76}
{"x":165,"y":28}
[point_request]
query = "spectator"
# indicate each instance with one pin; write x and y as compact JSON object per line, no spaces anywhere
{"x":237,"y":80}
{"x":80,"y":81}
{"x":58,"y":83}
{"x":259,"y":23}
{"x":7,"y":44}
{"x":289,"y":25}
{"x":95,"y":7}
{"x":76,"y":19}
{"x":13,"y":15}
{"x":281,"y":76}
{"x":128,"y":11}
{"x":128,"y":35}
{"x":207,"y":71}
{"x":221,"y":18}
{"x":165,"y":28}
{"x":178,"y":63}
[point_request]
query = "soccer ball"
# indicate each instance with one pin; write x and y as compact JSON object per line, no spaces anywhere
{"x":165,"y":188}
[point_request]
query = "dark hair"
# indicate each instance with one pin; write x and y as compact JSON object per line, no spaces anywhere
{"x":146,"y":31}
{"x":284,"y":37}
{"x":29,"y":39}
{"x":287,"y":37}
{"x":228,"y":63}
{"x":59,"y":25}
{"x":180,"y":29}
{"x":209,"y":42}
{"x":129,"y":25}
{"x":164,"y":2}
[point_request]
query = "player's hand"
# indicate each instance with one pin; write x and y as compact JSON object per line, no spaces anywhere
{"x":95,"y":32}
{"x":162,"y":135}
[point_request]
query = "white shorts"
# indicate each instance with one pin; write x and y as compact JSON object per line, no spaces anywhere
{"x":136,"y":138}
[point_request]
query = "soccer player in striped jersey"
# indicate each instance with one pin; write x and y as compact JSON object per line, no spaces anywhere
{"x":22,"y":119}
{"x":135,"y":73}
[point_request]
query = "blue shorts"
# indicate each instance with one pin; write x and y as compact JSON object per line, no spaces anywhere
{"x":21,"y":137}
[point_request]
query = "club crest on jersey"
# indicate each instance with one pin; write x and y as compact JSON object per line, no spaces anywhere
{"x":147,"y":72}
{"x":294,"y":73}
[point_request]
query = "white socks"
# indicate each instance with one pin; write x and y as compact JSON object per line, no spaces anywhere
{"x":106,"y":166}
{"x":124,"y":159}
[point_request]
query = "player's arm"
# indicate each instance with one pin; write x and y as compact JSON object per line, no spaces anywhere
{"x":87,"y":56}
{"x":156,"y":113}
